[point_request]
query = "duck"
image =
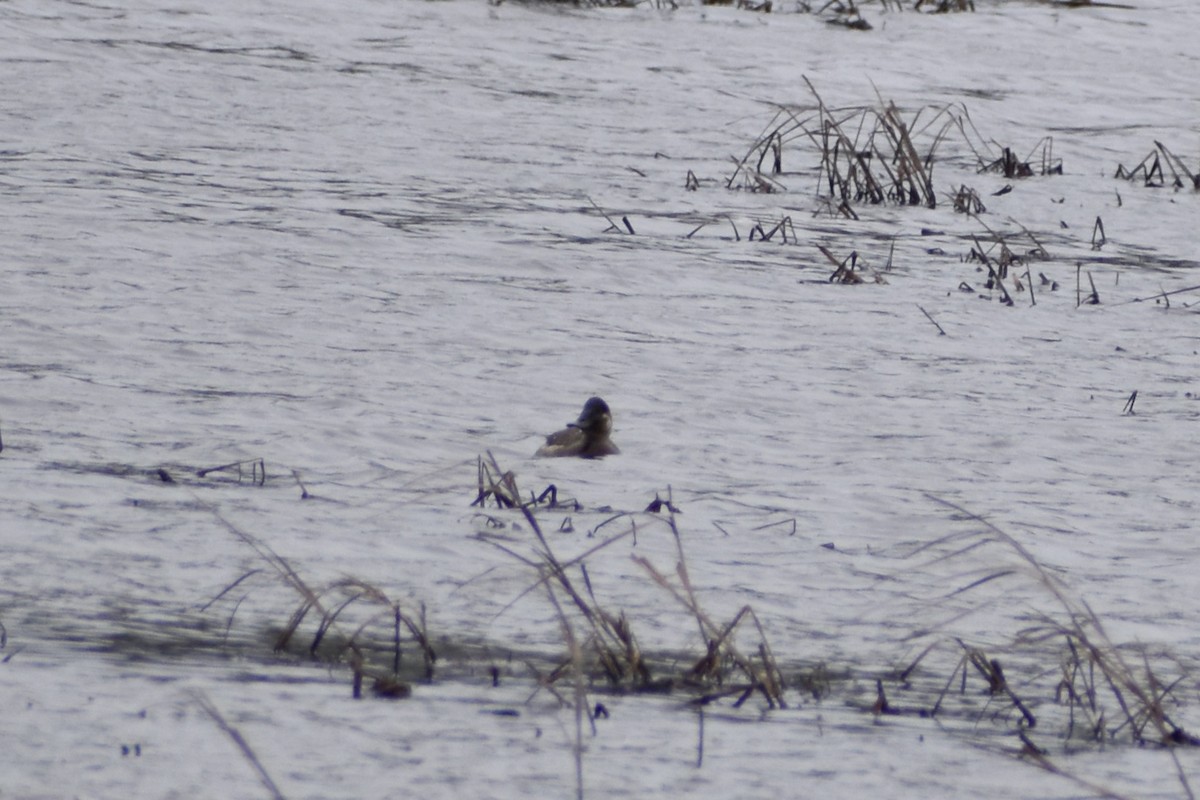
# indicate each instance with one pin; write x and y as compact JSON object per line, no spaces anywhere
{"x":586,"y":437}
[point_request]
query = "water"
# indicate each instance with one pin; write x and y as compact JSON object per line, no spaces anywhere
{"x":363,"y":246}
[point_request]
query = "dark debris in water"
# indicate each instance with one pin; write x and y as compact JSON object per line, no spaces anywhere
{"x":252,"y":472}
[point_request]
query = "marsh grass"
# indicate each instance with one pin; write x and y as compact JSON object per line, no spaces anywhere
{"x":1150,"y":170}
{"x":1059,"y":678}
{"x":723,"y":664}
{"x":869,"y":155}
{"x":1010,"y":166}
{"x":846,"y":14}
{"x":601,"y":643}
{"x":501,"y":487}
{"x":967,"y":201}
{"x":943,"y":6}
{"x":1075,"y":685}
{"x":1004,"y":253}
{"x":339,"y":634}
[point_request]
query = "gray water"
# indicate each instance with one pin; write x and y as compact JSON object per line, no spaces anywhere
{"x":365,"y":245}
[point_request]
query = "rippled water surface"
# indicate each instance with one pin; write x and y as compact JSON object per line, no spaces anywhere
{"x":352,"y":248}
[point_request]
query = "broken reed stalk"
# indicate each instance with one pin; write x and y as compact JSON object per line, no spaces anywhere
{"x":737,"y":237}
{"x":843,"y":270}
{"x":1094,"y":297}
{"x":934,"y":321}
{"x":611,"y":225}
{"x":236,"y":737}
{"x":782,"y":227}
{"x":1161,"y":295}
{"x":1151,"y":170}
{"x":258,"y":470}
{"x":578,"y":684}
{"x":1129,"y":403}
{"x":1177,"y":166}
{"x":992,"y":672}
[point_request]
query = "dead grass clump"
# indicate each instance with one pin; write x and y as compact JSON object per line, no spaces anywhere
{"x":847,"y":270}
{"x":601,"y":643}
{"x":994,"y":253}
{"x":501,"y":487}
{"x":943,"y":6}
{"x":846,"y":14}
{"x":723,"y":665}
{"x":371,"y":641}
{"x":1008,"y":165}
{"x":1150,"y":170}
{"x":761,"y":6}
{"x":610,"y":643}
{"x":328,"y":605}
{"x":658,"y":4}
{"x":966,"y":201}
{"x":880,"y":163}
{"x":868,"y":154}
{"x":1069,"y":664}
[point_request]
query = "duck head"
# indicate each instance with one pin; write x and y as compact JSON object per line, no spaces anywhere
{"x":595,"y":419}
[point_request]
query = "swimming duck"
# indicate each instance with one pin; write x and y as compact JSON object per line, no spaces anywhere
{"x":586,"y":437}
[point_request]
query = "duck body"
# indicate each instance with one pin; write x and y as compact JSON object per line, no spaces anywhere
{"x":586,"y":437}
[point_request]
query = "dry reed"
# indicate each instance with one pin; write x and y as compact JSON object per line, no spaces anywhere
{"x":328,"y":604}
{"x":1107,"y":695}
{"x":1150,"y":170}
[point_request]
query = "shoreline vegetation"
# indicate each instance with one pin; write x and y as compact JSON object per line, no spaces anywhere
{"x":1055,"y":687}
